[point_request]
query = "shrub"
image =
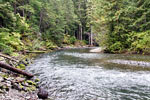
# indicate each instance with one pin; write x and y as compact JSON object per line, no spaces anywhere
{"x":141,"y":41}
{"x":115,"y":47}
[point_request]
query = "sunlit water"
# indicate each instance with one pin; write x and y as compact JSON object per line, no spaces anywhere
{"x":76,"y":74}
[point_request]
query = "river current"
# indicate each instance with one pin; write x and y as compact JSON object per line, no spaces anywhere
{"x":77,"y":74}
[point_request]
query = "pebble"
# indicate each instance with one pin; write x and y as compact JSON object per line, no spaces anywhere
{"x":1,"y":79}
{"x":8,"y":79}
{"x":1,"y":91}
{"x":25,"y":84}
{"x":8,"y":83}
{"x":28,"y":97}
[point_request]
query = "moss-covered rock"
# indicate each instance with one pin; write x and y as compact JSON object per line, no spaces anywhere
{"x":37,"y":80}
{"x":21,"y":66}
{"x":31,"y":82}
{"x":31,"y":88}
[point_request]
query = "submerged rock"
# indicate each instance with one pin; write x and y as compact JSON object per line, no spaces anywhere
{"x":130,"y":62}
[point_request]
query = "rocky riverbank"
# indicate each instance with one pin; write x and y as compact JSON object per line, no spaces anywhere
{"x":16,"y":86}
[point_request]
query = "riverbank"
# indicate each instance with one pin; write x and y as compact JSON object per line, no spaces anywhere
{"x":128,"y":52}
{"x":15,"y":86}
{"x":18,"y":87}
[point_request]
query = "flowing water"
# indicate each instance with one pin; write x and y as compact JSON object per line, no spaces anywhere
{"x":77,"y":74}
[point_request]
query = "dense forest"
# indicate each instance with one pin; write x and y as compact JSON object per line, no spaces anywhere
{"x":37,"y":24}
{"x":117,"y":25}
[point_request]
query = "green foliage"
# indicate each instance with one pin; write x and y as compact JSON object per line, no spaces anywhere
{"x":123,"y":26}
{"x":72,"y":39}
{"x":117,"y":46}
{"x":80,"y":43}
{"x":21,"y":24}
{"x":10,"y":42}
{"x":141,"y":41}
{"x":69,"y":39}
{"x":39,"y":24}
{"x":6,"y":49}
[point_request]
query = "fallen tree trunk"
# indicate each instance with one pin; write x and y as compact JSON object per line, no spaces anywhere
{"x":35,"y":51}
{"x":13,"y":69}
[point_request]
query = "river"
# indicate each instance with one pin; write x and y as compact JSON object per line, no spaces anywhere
{"x":77,"y":74}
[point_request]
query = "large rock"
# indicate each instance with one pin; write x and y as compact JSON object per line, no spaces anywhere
{"x":42,"y":94}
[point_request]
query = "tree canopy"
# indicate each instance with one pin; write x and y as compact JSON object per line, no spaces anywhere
{"x":118,"y":25}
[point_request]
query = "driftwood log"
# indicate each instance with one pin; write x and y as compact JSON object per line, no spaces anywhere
{"x":13,"y":69}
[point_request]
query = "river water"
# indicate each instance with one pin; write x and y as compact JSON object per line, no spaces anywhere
{"x":77,"y":74}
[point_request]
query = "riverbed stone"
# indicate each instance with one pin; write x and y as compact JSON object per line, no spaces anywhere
{"x":19,"y":79}
{"x":9,"y":79}
{"x":1,"y":79}
{"x":25,"y":84}
{"x":1,"y":91}
{"x":8,"y":83}
{"x":27,"y":98}
{"x":16,"y":86}
{"x":4,"y":70}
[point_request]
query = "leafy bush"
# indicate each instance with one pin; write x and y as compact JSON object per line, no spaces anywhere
{"x":141,"y":41}
{"x":10,"y":42}
{"x":72,"y":39}
{"x":69,"y":39}
{"x":5,"y":48}
{"x":115,"y":47}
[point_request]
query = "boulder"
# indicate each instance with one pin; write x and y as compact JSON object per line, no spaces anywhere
{"x":42,"y":94}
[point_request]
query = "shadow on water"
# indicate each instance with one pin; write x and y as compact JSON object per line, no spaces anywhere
{"x":77,"y":74}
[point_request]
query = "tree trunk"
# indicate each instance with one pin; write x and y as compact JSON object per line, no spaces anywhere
{"x":6,"y":66}
{"x":91,"y":35}
{"x":15,"y":8}
{"x":41,"y":17}
{"x":23,"y":12}
{"x":81,"y":34}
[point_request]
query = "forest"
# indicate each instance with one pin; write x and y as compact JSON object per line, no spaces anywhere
{"x":32,"y":27}
{"x":117,"y":25}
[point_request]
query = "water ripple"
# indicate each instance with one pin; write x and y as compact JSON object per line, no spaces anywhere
{"x":79,"y":75}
